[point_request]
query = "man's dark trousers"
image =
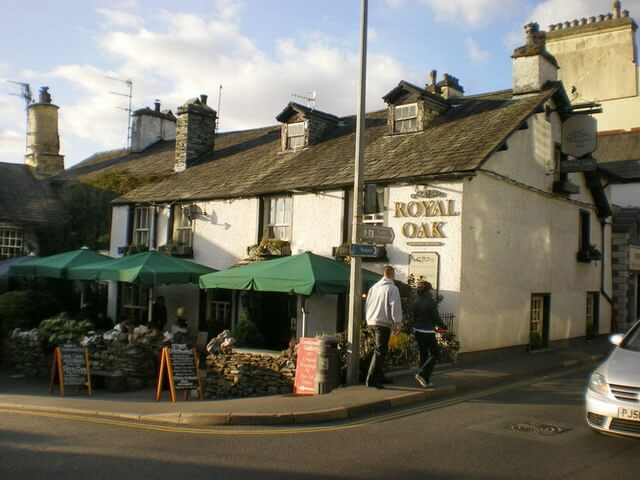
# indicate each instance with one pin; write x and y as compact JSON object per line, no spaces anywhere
{"x":376,"y":368}
{"x":428,"y":346}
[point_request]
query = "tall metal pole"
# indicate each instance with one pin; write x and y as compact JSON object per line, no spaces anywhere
{"x":355,"y":288}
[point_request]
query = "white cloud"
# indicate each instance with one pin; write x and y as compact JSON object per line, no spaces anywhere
{"x":475,"y":53}
{"x":119,"y":18}
{"x":472,"y":12}
{"x":556,"y":11}
{"x":189,"y":55}
{"x":12,"y":127}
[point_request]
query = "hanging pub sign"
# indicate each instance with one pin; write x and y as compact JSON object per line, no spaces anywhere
{"x":70,"y":367}
{"x":579,"y":136}
{"x":578,"y":165}
{"x":179,"y":365}
{"x":306,"y":366}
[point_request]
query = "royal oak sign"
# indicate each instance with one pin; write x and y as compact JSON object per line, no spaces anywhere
{"x":579,"y":136}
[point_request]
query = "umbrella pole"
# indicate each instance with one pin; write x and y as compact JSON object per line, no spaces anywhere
{"x":83,"y":286}
{"x":152,"y":292}
{"x":304,"y":316}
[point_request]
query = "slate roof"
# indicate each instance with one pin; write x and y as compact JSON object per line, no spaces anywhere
{"x":618,"y":153}
{"x":158,"y":158}
{"x":25,"y":199}
{"x":249,"y":163}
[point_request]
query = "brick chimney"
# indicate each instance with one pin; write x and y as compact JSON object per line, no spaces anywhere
{"x":533,"y":65}
{"x":195,"y":132}
{"x":43,"y":141}
{"x":150,"y":126}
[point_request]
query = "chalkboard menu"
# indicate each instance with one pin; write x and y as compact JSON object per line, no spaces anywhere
{"x":71,"y":367}
{"x":179,"y":365}
{"x":306,"y":366}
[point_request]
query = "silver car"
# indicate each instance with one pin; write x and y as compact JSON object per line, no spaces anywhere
{"x":613,"y":396}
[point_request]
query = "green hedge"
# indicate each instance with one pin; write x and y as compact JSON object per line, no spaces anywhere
{"x":26,"y":309}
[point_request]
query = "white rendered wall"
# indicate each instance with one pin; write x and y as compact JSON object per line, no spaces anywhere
{"x":118,"y":238}
{"x":517,"y":242}
{"x":530,"y":74}
{"x":450,"y":252}
{"x":149,"y":129}
{"x":224,"y":231}
{"x":317,"y":222}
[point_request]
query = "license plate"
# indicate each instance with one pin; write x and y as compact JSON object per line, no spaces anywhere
{"x":629,"y":413}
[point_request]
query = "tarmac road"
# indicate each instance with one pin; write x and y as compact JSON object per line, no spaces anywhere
{"x":465,"y":437}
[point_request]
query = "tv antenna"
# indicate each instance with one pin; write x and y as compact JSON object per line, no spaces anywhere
{"x":219,"y":100}
{"x":309,"y":98}
{"x":22,"y":90}
{"x":129,"y":96}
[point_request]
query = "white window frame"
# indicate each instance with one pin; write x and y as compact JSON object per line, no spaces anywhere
{"x":11,"y":242}
{"x":404,"y":119}
{"x":296,"y":142}
{"x":141,"y":230}
{"x":537,"y":314}
{"x":277,"y":222}
{"x":181,"y":225}
{"x":378,"y":219}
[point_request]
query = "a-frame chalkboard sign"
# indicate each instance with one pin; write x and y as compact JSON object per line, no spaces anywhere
{"x":70,"y":367}
{"x":179,"y":364}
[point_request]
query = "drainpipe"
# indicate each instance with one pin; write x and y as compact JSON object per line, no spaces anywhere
{"x":603,"y":226}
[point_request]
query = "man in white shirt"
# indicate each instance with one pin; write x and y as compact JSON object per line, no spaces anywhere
{"x":383,"y":312}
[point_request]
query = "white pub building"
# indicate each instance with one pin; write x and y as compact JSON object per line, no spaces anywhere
{"x":471,"y":186}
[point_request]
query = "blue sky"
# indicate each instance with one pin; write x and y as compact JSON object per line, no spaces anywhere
{"x":261,"y":51}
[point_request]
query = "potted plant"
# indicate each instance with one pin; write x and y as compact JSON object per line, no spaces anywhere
{"x":270,"y":247}
{"x":595,"y":253}
{"x":177,"y":249}
{"x":136,"y":248}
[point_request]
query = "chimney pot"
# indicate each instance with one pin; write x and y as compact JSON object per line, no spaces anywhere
{"x":203,"y":99}
{"x":575,"y":23}
{"x":616,"y":9}
{"x":44,"y":95}
{"x":567,"y":24}
{"x":433,"y":77}
{"x":592,"y":20}
{"x":156,"y":105}
{"x":583,"y":21}
{"x":625,"y":13}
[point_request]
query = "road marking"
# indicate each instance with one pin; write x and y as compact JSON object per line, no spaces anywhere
{"x":293,"y":430}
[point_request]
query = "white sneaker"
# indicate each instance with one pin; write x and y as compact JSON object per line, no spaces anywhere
{"x":421,"y":380}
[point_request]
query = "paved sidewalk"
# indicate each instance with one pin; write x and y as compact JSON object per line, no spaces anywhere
{"x":343,"y":403}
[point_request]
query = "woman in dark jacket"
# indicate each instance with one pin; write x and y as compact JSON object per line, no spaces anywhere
{"x":425,"y":320}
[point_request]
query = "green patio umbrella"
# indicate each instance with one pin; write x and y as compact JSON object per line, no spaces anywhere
{"x":146,"y":268}
{"x":304,"y":274}
{"x":57,"y":266}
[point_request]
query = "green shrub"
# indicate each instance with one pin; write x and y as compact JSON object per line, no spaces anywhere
{"x":247,"y":334}
{"x":26,"y":309}
{"x":61,"y":329}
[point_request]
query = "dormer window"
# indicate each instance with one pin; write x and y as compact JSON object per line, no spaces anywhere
{"x":303,"y":126}
{"x":295,"y":136}
{"x":405,"y":118}
{"x":412,"y":109}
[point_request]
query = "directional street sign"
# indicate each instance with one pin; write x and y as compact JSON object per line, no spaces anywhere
{"x":578,"y":165}
{"x":363,"y":250}
{"x":378,"y":234}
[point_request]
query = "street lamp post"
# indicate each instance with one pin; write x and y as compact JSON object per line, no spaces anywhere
{"x":355,"y":287}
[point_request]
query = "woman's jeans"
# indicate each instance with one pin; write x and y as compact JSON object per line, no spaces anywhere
{"x":429,"y":350}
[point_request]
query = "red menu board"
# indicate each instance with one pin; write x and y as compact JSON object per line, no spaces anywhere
{"x":306,"y":366}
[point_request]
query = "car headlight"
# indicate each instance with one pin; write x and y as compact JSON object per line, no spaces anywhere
{"x":598,"y":383}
